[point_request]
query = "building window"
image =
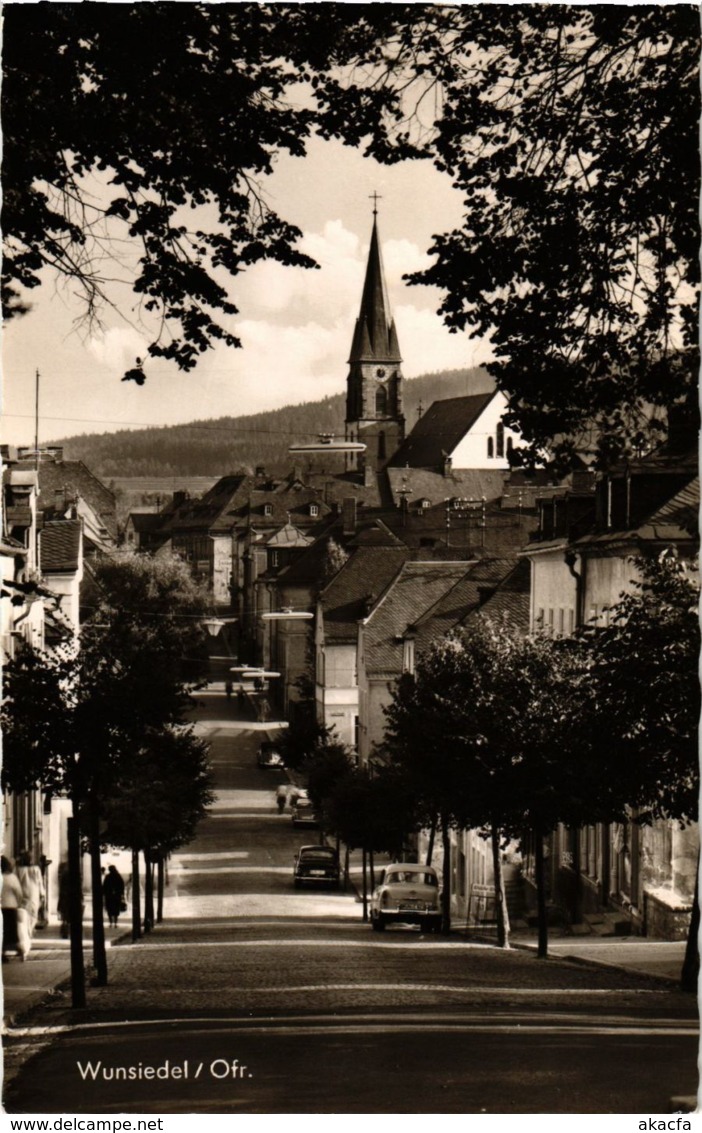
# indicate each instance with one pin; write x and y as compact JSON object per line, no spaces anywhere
{"x":510,"y":444}
{"x":561,"y":622}
{"x":381,"y":401}
{"x":500,"y":439}
{"x":408,"y":655}
{"x":491,"y":448}
{"x":267,"y":509}
{"x":275,"y":558}
{"x":314,"y":509}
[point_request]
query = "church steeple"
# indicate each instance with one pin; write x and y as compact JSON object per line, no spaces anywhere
{"x":374,"y":384}
{"x":375,"y":337}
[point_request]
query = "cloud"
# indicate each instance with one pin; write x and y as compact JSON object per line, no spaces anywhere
{"x":118,"y":348}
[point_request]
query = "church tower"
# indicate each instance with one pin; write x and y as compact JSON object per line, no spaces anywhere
{"x":374,"y":384}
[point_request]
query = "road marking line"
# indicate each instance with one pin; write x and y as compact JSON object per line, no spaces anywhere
{"x":391,"y":1023}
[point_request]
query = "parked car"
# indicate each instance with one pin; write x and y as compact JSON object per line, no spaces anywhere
{"x":269,"y":755}
{"x":407,"y":894}
{"x":296,"y":793}
{"x":316,"y":865}
{"x":303,"y":813}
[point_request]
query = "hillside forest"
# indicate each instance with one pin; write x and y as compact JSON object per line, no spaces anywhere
{"x":229,"y":444}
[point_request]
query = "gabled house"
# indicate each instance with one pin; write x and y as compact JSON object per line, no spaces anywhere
{"x":376,"y":558}
{"x":460,"y":433}
{"x":386,"y":641}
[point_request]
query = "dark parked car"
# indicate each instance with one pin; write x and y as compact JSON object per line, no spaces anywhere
{"x":303,"y":813}
{"x":269,"y":755}
{"x":316,"y":865}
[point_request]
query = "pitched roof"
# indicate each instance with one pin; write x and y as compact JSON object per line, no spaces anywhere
{"x":362,"y":578}
{"x":375,"y":336}
{"x":675,"y":520}
{"x":289,"y":536}
{"x":415,"y":588}
{"x":473,"y":483}
{"x":511,"y":600}
{"x":143,"y":521}
{"x":69,"y":478}
{"x":440,"y":429}
{"x":59,"y":546}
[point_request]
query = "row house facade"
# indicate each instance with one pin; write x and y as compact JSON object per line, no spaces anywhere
{"x":640,"y":879}
{"x":49,"y":535}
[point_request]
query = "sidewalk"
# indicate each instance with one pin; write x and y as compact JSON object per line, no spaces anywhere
{"x":658,"y":959}
{"x":46,"y":969}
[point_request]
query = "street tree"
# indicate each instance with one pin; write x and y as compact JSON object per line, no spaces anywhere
{"x":162,"y":790}
{"x":482,"y":729}
{"x":646,"y":704}
{"x":71,"y":717}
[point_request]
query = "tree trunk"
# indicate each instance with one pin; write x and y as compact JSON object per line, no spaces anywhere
{"x":501,"y":910}
{"x":371,"y":866}
{"x":577,"y":910}
{"x":148,"y":893}
{"x":136,"y":911}
{"x":99,"y":953}
{"x":542,"y":950}
{"x":446,"y":877}
{"x":365,"y":885}
{"x":75,"y":898}
{"x":691,"y":964}
{"x":161,"y":878}
{"x":430,"y":846}
{"x":346,"y":868}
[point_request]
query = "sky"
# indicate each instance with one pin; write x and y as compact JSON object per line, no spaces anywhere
{"x":296,"y":325}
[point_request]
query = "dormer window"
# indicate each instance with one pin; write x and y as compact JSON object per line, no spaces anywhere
{"x":314,"y":510}
{"x":268,"y":509}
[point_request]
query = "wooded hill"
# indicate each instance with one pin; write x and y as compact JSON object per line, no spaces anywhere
{"x":227,"y":444}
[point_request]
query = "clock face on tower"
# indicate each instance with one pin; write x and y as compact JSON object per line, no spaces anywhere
{"x":380,"y":373}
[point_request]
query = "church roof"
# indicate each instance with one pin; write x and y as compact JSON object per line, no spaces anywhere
{"x":440,"y":429}
{"x":375,"y":336}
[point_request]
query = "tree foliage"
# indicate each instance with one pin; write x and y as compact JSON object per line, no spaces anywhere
{"x":162,"y":791}
{"x":571,"y":133}
{"x":646,"y":692}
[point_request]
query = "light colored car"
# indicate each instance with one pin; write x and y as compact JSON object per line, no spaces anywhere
{"x":316,"y":865}
{"x":407,"y":894}
{"x":269,"y":756}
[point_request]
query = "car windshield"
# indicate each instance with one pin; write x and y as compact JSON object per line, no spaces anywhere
{"x":318,"y":853}
{"x":412,"y":877}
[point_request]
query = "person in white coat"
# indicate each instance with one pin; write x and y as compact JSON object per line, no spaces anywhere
{"x":32,"y":883}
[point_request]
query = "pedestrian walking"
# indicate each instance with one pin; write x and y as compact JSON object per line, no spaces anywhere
{"x":11,"y":898}
{"x":281,"y":797}
{"x":63,"y":905}
{"x":113,"y":895}
{"x":229,"y":689}
{"x":32,"y":882}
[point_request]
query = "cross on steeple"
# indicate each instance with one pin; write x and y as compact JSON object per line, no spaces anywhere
{"x":375,"y":198}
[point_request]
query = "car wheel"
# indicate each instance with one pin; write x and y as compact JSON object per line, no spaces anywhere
{"x":378,"y":923}
{"x":297,"y":883}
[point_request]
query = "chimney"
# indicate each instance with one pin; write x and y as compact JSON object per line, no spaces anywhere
{"x":348,"y":515}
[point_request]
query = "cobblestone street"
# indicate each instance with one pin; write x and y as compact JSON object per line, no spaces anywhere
{"x":294,"y":986}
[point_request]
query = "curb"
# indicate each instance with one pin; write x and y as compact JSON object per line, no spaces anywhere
{"x":583,"y":961}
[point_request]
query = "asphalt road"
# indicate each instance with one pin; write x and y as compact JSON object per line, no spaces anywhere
{"x":254,"y":997}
